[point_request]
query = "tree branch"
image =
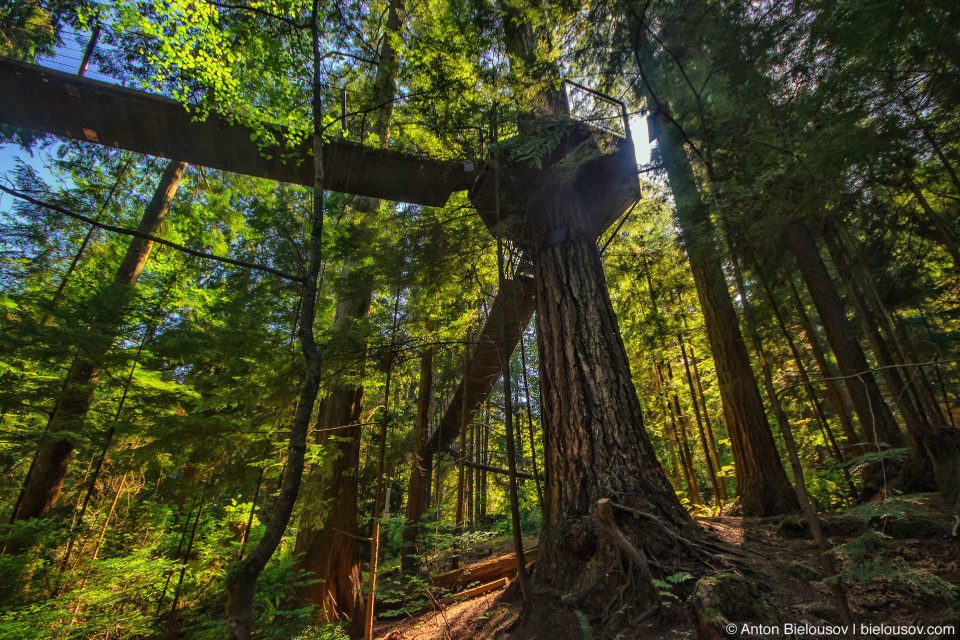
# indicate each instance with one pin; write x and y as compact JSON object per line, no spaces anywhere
{"x":147,"y":236}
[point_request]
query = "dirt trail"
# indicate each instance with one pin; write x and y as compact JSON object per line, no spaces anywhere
{"x":922,"y":542}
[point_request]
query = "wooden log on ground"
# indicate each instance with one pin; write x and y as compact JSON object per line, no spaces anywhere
{"x":475,"y":591}
{"x":482,"y":572}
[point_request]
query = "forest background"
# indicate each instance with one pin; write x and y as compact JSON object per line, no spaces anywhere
{"x":786,"y":293}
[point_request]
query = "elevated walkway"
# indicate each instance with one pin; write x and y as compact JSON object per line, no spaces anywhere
{"x":80,"y":108}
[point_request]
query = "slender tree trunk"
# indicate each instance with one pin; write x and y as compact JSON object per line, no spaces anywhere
{"x":106,"y":521}
{"x":86,"y":240}
{"x":533,"y":446}
{"x":461,"y":471}
{"x":685,"y":465}
{"x":808,"y":387}
{"x":485,"y":456}
{"x":418,"y":492}
{"x":703,"y":436}
{"x":186,"y":559}
{"x":823,"y":545}
{"x":241,"y":582}
{"x":108,"y":439}
{"x":684,"y":440}
{"x":378,"y":493}
{"x":197,"y":503}
{"x":471,"y":455}
{"x":913,"y":418}
{"x":670,"y":435}
{"x":522,"y":575}
{"x":707,"y":422}
{"x":45,"y":480}
{"x":253,"y":509}
{"x":329,"y":547}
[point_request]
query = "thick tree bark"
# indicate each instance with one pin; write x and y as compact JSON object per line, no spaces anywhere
{"x":43,"y":484}
{"x":878,"y":424}
{"x":595,"y":445}
{"x":762,"y":485}
{"x":598,"y":447}
{"x":329,"y":551}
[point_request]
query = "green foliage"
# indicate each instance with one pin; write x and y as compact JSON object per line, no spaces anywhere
{"x":867,"y":562}
{"x":330,"y":631}
{"x":871,"y":458}
{"x":673,"y":580}
{"x":868,"y":559}
{"x":896,"y":507}
{"x":833,"y":118}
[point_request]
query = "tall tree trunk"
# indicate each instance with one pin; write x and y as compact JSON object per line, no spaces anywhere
{"x":878,"y":424}
{"x":598,"y":446}
{"x":533,"y":445}
{"x":328,"y":544}
{"x":522,"y":575}
{"x":782,"y":421}
{"x":831,"y":389}
{"x":45,"y":480}
{"x":919,"y":472}
{"x":485,"y":457}
{"x":913,"y":418}
{"x":86,"y":241}
{"x":682,"y":468}
{"x":471,"y":456}
{"x":706,"y":418}
{"x":461,"y":480}
{"x":762,"y":485}
{"x":808,"y":386}
{"x":378,"y":493}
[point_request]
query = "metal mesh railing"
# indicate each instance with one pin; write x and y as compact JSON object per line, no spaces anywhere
{"x":597,"y":109}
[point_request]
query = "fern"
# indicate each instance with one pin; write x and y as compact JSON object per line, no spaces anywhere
{"x":891,"y":508}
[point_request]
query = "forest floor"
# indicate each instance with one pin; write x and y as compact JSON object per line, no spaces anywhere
{"x":916,"y":546}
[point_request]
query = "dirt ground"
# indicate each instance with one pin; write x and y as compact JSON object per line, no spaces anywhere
{"x":766,"y":549}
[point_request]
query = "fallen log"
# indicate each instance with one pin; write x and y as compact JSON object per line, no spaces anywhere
{"x":475,"y":591}
{"x":482,"y":572}
{"x":491,"y":574}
